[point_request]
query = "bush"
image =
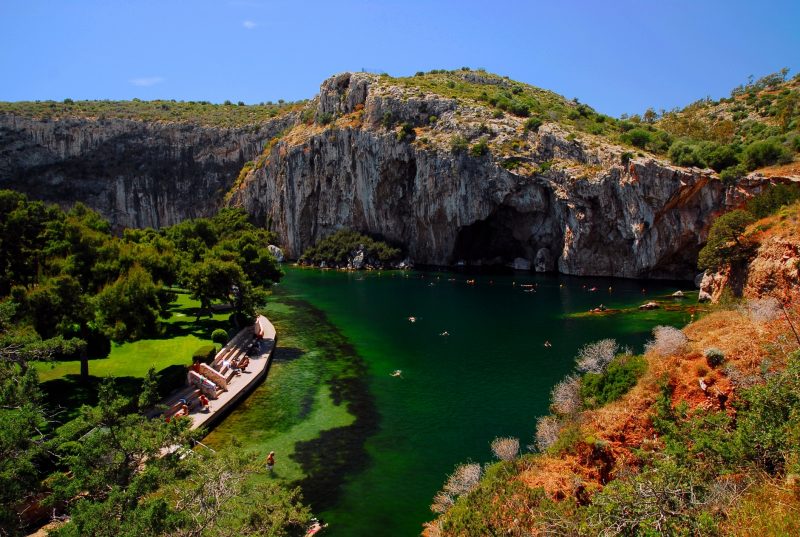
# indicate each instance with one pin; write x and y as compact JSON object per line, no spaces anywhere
{"x":458,"y":144}
{"x":725,"y":243}
{"x":638,"y":137}
{"x":685,"y":154}
{"x":765,"y":152}
{"x":533,"y":124}
{"x":219,"y":336}
{"x":718,"y":157}
{"x":714,"y":357}
{"x":566,"y":396}
{"x":594,"y":357}
{"x":733,"y":174}
{"x":338,"y":249}
{"x":620,"y":376}
{"x":547,"y":431}
{"x":480,"y":148}
{"x":325,"y":118}
{"x":667,"y":341}
{"x":406,"y":132}
{"x":772,"y":199}
{"x":204,"y":354}
{"x":505,"y":449}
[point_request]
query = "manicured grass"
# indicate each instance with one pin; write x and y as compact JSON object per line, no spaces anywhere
{"x":128,"y":363}
{"x":182,"y":336}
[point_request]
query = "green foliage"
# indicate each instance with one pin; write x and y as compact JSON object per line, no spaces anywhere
{"x":129,"y":308}
{"x":338,"y":249}
{"x":638,"y":137}
{"x":714,"y":357}
{"x":406,"y":132}
{"x":622,"y":373}
{"x":458,"y":144}
{"x":194,"y":112}
{"x":148,"y":395}
{"x":765,"y":152}
{"x":480,"y":148}
{"x":725,"y":244}
{"x":219,"y":336}
{"x":773,"y":198}
{"x":533,"y":124}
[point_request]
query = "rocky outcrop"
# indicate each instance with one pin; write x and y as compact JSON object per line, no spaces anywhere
{"x":135,"y":173}
{"x":585,"y":213}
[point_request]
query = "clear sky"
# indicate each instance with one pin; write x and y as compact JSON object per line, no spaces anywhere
{"x":617,"y":56}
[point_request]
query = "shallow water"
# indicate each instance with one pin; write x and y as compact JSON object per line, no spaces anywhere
{"x":370,"y":450}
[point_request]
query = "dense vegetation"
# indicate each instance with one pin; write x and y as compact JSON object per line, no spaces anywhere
{"x":197,"y":112}
{"x":759,"y":125}
{"x":727,"y":242}
{"x":69,"y":285}
{"x":350,"y":249}
{"x":67,"y":288}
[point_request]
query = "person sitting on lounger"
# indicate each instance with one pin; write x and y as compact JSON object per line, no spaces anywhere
{"x":227,"y":364}
{"x":204,"y":402}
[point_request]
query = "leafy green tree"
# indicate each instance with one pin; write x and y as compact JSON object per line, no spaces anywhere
{"x":725,"y":244}
{"x":148,"y":396}
{"x":129,"y":308}
{"x":213,"y":279}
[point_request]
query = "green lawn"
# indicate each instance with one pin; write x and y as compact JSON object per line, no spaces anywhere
{"x":129,"y":362}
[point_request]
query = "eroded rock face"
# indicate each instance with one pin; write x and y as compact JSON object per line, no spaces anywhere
{"x":134,"y":173}
{"x":594,"y":214}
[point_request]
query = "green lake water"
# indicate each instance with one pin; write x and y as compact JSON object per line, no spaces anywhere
{"x":370,"y":450}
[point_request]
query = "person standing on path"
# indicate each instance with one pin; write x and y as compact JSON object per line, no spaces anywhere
{"x":270,"y":461}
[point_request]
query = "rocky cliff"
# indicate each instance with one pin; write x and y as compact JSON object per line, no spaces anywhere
{"x":135,"y":173}
{"x":386,"y":160}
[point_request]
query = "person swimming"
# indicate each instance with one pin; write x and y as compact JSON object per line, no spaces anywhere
{"x":445,"y":333}
{"x":396,"y":373}
{"x":548,"y":344}
{"x":412,"y":319}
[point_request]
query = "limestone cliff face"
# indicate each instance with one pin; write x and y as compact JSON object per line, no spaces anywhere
{"x":588,"y":211}
{"x":135,"y":173}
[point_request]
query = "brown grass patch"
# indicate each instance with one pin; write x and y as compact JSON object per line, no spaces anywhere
{"x":769,"y":509}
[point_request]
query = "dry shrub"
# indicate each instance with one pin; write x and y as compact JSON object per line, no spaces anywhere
{"x":463,"y":480}
{"x":566,"y":396}
{"x":761,"y":310}
{"x":668,"y":341}
{"x":547,"y":431}
{"x":505,"y":448}
{"x":595,"y":357}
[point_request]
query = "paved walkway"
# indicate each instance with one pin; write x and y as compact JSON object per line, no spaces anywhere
{"x":240,"y":385}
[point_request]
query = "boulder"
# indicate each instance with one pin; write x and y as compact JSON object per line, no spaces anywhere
{"x":544,"y":262}
{"x":520,"y":263}
{"x":276,"y":252}
{"x":649,"y":306}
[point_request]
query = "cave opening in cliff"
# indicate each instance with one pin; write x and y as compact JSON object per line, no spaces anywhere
{"x":496,"y":241}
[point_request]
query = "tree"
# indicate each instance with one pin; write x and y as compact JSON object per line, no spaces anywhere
{"x":725,"y":243}
{"x":213,"y":279}
{"x":129,"y":308}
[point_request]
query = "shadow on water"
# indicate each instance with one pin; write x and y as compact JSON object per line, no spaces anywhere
{"x":340,"y":452}
{"x":287,"y":354}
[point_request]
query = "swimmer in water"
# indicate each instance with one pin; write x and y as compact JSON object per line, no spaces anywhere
{"x":445,"y":333}
{"x":548,"y":344}
{"x":397,"y":373}
{"x":412,"y":319}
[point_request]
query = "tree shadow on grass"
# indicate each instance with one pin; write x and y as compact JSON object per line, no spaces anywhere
{"x":66,"y":395}
{"x":201,"y":329}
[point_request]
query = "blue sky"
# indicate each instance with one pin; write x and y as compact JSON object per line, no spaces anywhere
{"x":620,"y":56}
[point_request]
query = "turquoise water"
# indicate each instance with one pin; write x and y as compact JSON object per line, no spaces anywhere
{"x":370,"y":450}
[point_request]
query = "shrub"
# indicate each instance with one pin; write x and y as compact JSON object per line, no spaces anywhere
{"x":685,"y":154}
{"x":204,"y":354}
{"x":219,"y":336}
{"x":566,"y":396}
{"x":505,"y":449}
{"x":725,"y":244}
{"x":638,"y":137}
{"x":458,"y":144}
{"x":733,"y":174}
{"x":765,"y":152}
{"x":620,"y":376}
{"x":406,"y":132}
{"x":547,"y":431}
{"x":625,"y":158}
{"x":533,"y":124}
{"x":462,"y":481}
{"x":387,"y":120}
{"x":718,"y":157}
{"x":772,"y":199}
{"x":595,"y":357}
{"x":667,"y":341}
{"x":480,"y":148}
{"x":762,"y":310}
{"x":714,"y":357}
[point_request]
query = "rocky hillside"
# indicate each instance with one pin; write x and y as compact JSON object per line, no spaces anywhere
{"x":460,"y":167}
{"x":129,"y":162}
{"x":468,"y":167}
